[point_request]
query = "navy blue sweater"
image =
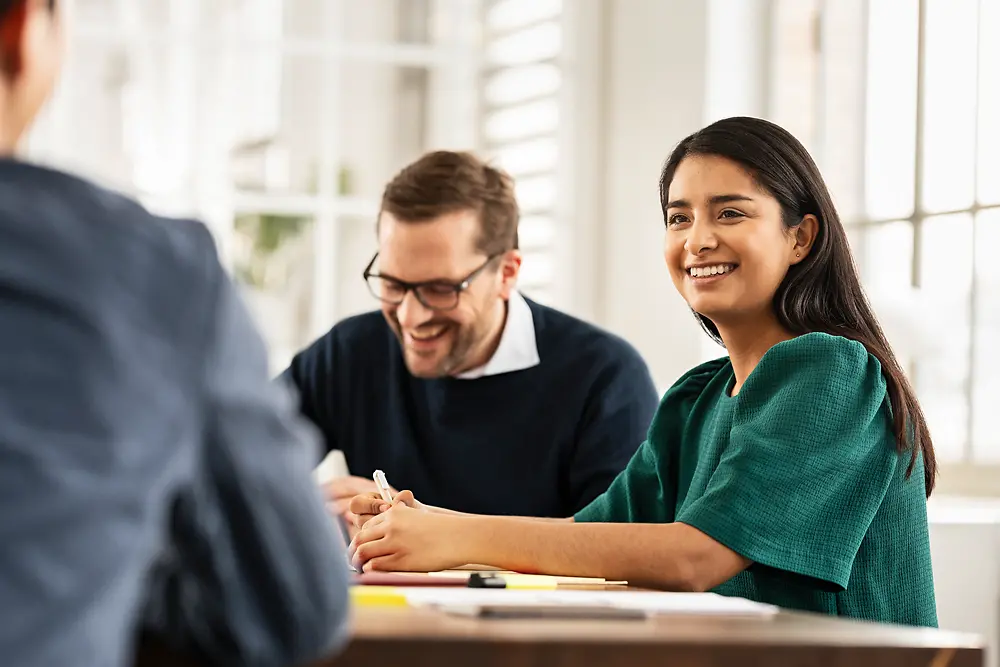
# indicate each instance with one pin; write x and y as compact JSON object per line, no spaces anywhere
{"x":543,"y":441}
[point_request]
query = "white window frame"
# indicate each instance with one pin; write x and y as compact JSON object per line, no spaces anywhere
{"x":541,"y":231}
{"x":839,"y":147}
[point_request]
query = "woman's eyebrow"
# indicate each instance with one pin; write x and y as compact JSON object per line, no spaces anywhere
{"x":714,"y":199}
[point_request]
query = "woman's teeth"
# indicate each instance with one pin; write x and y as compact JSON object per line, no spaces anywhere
{"x":706,"y":271}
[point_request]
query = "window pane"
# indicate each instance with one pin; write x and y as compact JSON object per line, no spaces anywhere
{"x":520,"y":122}
{"x":516,"y":84}
{"x":284,"y":157}
{"x":885,"y":256}
{"x":942,"y":373}
{"x":891,"y":115}
{"x":795,"y":73}
{"x":302,"y":18}
{"x":539,"y":42}
{"x":94,"y":12}
{"x":523,"y":120}
{"x":986,"y":378}
{"x":511,"y":14}
{"x":842,"y":106}
{"x":537,"y":270}
{"x":536,"y":232}
{"x":529,"y":156}
{"x":118,"y":16}
{"x":949,"y":98}
{"x":989,"y":102}
{"x":95,"y":94}
{"x":536,"y":194}
{"x":322,"y":143}
{"x":310,"y":23}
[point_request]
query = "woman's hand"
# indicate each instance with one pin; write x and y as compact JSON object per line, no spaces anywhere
{"x":407,"y":539}
{"x":367,"y":505}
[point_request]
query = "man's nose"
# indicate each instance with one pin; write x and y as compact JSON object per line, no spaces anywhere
{"x":410,"y":313}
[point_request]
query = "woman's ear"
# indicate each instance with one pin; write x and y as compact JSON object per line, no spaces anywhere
{"x":805,"y":235}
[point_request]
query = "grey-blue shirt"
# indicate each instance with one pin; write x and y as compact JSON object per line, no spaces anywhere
{"x":150,"y":474}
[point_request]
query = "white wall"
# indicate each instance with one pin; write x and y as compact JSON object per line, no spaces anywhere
{"x":662,"y":74}
{"x":965,"y":548}
{"x":654,"y":77}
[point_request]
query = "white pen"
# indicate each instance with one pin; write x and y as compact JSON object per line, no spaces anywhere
{"x":383,"y":485}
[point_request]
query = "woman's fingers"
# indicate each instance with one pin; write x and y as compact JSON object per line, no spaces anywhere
{"x":370,"y":550}
{"x":380,"y":564}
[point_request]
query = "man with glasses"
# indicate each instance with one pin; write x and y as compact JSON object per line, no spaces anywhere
{"x":461,"y":389}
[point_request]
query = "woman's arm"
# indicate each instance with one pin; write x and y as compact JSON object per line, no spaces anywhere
{"x":369,"y":505}
{"x":672,"y":556}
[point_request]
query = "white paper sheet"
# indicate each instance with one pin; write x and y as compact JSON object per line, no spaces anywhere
{"x":647,"y":601}
{"x":334,"y":465}
{"x":517,"y":580}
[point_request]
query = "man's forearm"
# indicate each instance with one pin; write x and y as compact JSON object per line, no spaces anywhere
{"x":669,"y":556}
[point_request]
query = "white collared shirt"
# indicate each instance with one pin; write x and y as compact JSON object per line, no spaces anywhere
{"x":517,"y":349}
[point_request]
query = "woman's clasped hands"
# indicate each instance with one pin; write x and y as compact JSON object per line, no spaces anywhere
{"x":404,"y":536}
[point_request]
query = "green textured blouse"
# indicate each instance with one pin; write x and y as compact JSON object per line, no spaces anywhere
{"x":799,"y":473}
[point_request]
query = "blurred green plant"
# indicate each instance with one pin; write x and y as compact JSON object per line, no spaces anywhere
{"x":269,"y":232}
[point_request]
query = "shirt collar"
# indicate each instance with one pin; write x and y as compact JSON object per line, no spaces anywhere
{"x":517,"y":349}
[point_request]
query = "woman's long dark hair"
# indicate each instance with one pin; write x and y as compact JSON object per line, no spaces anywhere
{"x":822,"y":292}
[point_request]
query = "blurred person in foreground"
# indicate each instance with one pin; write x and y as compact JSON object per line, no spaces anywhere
{"x":152,"y":478}
{"x":459,"y":387}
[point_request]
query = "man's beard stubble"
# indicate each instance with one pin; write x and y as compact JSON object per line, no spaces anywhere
{"x":464,"y":339}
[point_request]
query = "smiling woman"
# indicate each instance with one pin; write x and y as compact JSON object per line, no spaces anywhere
{"x":795,"y":471}
{"x":798,"y":287}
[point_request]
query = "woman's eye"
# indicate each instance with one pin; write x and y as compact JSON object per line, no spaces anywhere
{"x":731,"y":213}
{"x":676,"y":219}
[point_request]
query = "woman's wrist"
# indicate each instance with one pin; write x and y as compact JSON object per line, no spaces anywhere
{"x":475,"y":543}
{"x":440,"y":510}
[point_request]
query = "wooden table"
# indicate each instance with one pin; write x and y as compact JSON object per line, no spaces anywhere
{"x":414,"y":637}
{"x":411,"y":637}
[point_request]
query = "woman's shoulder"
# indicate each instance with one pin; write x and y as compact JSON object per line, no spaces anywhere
{"x":688,"y":388}
{"x":694,"y":382}
{"x":679,"y":401}
{"x":815,"y":355}
{"x":822,"y":347}
{"x":839,"y":377}
{"x":800,"y":356}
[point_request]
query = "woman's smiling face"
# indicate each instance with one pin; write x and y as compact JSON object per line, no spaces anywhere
{"x":726,"y":244}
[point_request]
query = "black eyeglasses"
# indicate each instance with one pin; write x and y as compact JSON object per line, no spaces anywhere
{"x":433,"y":294}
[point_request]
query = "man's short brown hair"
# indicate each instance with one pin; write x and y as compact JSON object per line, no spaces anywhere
{"x":444,"y":182}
